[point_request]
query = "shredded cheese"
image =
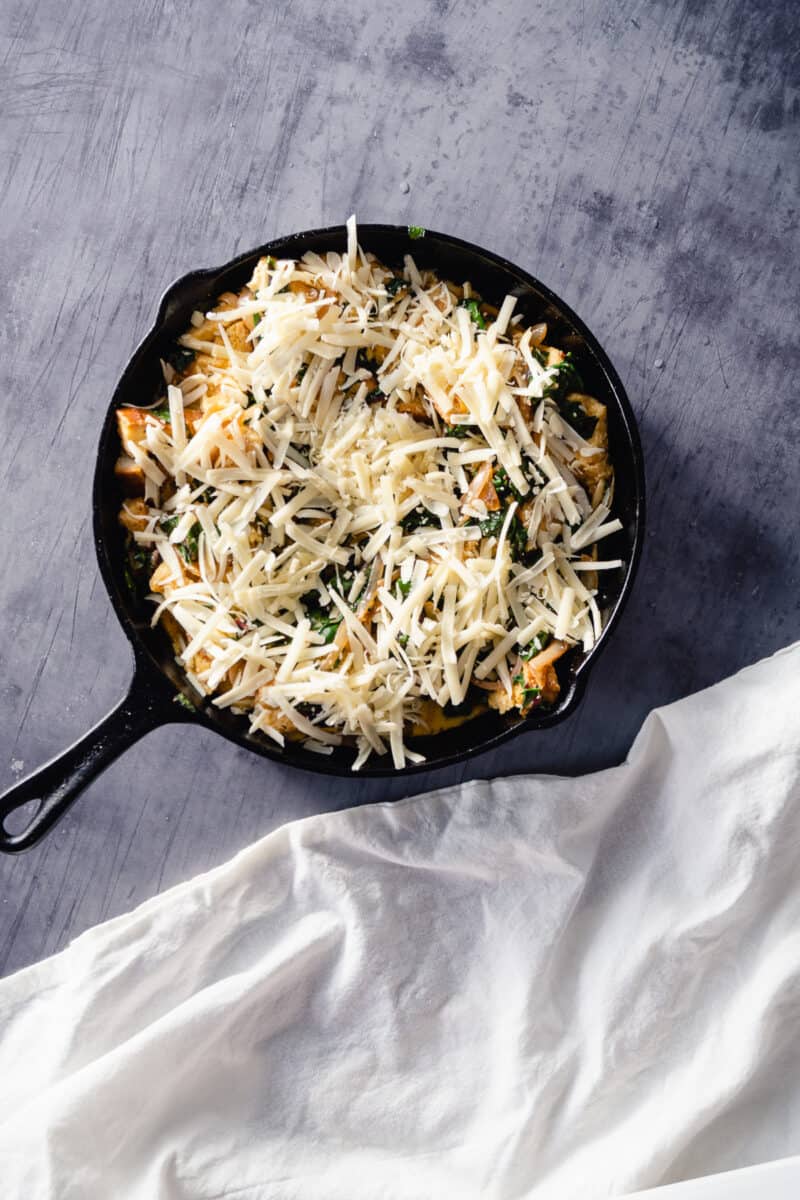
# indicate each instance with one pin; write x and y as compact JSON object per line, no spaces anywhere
{"x":319,"y":551}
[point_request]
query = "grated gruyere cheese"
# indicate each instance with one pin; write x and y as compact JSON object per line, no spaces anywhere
{"x":368,"y":492}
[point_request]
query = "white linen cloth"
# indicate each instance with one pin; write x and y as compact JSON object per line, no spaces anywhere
{"x":533,"y":987}
{"x":778,"y":1180}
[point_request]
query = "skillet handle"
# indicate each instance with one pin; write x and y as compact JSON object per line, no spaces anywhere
{"x":59,"y":782}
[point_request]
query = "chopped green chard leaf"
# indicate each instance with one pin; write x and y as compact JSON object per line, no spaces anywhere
{"x":529,"y":694}
{"x":415,"y":232}
{"x":581,"y":422}
{"x":475,"y":313}
{"x":566,"y":379}
{"x":517,"y":539}
{"x":492,"y":525}
{"x":395,"y":285}
{"x":537,"y":644}
{"x":167,"y":524}
{"x":325,"y":624}
{"x":419,"y":518}
{"x":139,"y":558}
{"x":189,"y":547}
{"x":504,"y":487}
{"x":342,"y":579}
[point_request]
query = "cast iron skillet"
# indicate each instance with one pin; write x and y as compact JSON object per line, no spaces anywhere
{"x":157,"y":681}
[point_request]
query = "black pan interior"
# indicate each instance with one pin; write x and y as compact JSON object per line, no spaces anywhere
{"x":493,"y":277}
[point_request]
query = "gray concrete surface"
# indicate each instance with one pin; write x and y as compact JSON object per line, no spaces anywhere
{"x":641,"y":157}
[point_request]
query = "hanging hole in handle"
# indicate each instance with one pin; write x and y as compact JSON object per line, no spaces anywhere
{"x":18,"y":820}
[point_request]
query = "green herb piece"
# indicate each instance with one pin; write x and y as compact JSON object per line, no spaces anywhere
{"x":325,"y":624}
{"x":574,"y":415}
{"x":517,"y":534}
{"x":529,"y":694}
{"x":459,"y":431}
{"x":402,"y":588}
{"x":180,"y":357}
{"x":140,"y":557}
{"x":189,"y":547}
{"x":345,"y":577}
{"x":167,"y":524}
{"x":504,"y":487}
{"x":256,"y":318}
{"x":395,"y":285}
{"x":402,"y":640}
{"x":342,"y":576}
{"x":536,"y":645}
{"x":419,"y":518}
{"x":184,"y":702}
{"x":342,"y":579}
{"x":415,"y":232}
{"x":472,"y":308}
{"x":566,"y":379}
{"x":517,"y":538}
{"x":540,"y":356}
{"x":490,"y":526}
{"x":162,"y":412}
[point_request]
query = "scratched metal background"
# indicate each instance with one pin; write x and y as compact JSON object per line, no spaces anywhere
{"x":641,"y":156}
